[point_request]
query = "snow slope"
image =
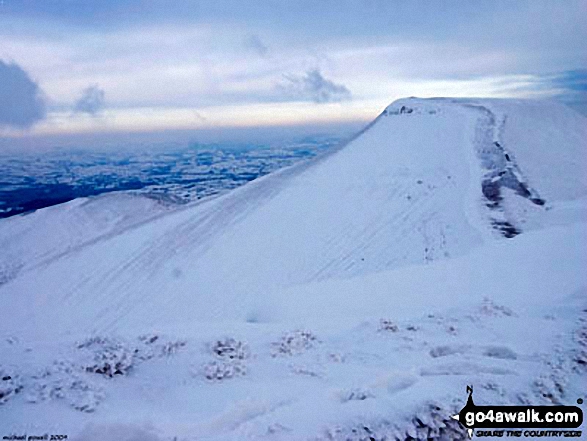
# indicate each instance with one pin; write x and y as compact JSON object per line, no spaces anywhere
{"x":44,"y":235}
{"x":441,"y":247}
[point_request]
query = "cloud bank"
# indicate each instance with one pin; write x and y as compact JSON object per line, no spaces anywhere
{"x":229,"y":60}
{"x":21,"y":100}
{"x":314,"y":87}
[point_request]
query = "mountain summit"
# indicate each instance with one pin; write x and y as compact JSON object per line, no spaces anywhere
{"x":439,"y":247}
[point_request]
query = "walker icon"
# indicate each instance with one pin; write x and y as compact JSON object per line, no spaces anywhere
{"x":469,"y":407}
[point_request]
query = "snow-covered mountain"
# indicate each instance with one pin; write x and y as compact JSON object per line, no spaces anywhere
{"x":443,"y":246}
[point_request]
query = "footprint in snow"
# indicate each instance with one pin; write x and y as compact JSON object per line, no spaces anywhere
{"x":394,"y":382}
{"x":501,"y":352}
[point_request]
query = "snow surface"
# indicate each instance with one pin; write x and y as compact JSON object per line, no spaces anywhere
{"x":350,"y":296}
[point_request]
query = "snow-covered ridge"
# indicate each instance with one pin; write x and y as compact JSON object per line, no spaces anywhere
{"x":429,"y":180}
{"x":441,"y":246}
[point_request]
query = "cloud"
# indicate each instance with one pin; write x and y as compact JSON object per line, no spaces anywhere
{"x":573,"y":80}
{"x":568,"y":87}
{"x":314,"y":87}
{"x":91,"y":101}
{"x":254,"y":42}
{"x":21,"y":100}
{"x":572,"y":85}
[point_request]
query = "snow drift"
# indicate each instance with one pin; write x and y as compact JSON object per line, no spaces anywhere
{"x":439,"y":247}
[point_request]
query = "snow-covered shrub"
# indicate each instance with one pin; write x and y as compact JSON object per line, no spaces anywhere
{"x":98,"y":355}
{"x":230,"y":348}
{"x":84,"y":396}
{"x":336,"y":357}
{"x":276,"y":429}
{"x":64,"y":380}
{"x":433,"y":423}
{"x":110,"y":357}
{"x":231,"y":355}
{"x":550,"y":388}
{"x":580,"y":354}
{"x":494,"y":387}
{"x":107,"y":356}
{"x":153,"y":345}
{"x":148,"y":349}
{"x":296,"y":342}
{"x":387,"y":325}
{"x":171,"y":347}
{"x":148,"y":339}
{"x":223,"y":369}
{"x":10,"y":384}
{"x":11,"y":340}
{"x":356,"y":394}
{"x":452,"y":330}
{"x":490,"y":308}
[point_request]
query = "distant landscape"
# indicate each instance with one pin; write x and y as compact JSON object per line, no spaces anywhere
{"x":172,"y":174}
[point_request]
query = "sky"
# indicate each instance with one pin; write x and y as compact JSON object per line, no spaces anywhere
{"x":118,"y":66}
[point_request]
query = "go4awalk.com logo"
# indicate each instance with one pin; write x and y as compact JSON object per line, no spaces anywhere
{"x":520,"y":421}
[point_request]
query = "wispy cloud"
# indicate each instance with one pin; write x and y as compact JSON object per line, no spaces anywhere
{"x":571,"y":87}
{"x":568,"y":87}
{"x":572,"y":80}
{"x":21,"y":100}
{"x":91,"y":101}
{"x":313,"y":87}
